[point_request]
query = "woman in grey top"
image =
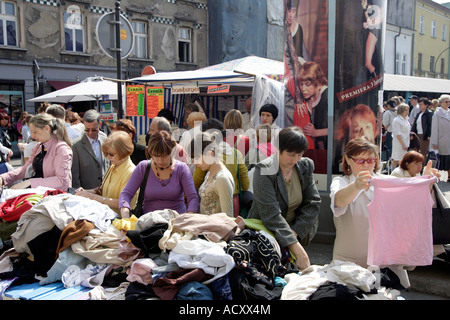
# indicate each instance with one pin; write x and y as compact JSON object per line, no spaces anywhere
{"x":291,"y":215}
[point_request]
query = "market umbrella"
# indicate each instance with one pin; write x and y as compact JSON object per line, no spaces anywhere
{"x":90,"y":89}
{"x":252,"y":65}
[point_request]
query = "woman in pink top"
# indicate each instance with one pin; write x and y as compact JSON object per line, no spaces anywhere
{"x":50,"y":162}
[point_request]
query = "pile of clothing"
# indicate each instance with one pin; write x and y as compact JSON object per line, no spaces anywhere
{"x":163,"y":255}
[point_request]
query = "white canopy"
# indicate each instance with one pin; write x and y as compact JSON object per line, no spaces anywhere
{"x":90,"y":89}
{"x":202,"y":77}
{"x":395,"y":82}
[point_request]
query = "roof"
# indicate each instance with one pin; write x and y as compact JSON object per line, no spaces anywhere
{"x":395,"y":82}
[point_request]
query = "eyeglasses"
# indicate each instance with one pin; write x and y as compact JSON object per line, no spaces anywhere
{"x":361,"y":161}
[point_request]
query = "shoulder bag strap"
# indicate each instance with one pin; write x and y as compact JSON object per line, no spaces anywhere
{"x":143,"y":184}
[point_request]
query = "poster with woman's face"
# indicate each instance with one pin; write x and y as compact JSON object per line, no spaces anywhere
{"x":357,"y":79}
{"x":306,"y":74}
{"x":358,"y":73}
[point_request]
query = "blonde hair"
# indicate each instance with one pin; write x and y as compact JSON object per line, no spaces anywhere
{"x":402,"y":107}
{"x":233,"y":120}
{"x":57,"y":126}
{"x":120,"y":142}
{"x":195,"y":116}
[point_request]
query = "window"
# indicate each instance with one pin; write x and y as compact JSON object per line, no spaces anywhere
{"x":442,"y":65}
{"x":404,"y":65}
{"x":432,"y":64}
{"x":433,"y":29}
{"x":422,"y":25}
{"x":419,"y":62}
{"x":8,"y":24}
{"x":397,"y":63}
{"x":185,"y":45}
{"x":140,"y":39}
{"x":74,"y":29}
{"x":444,"y":32}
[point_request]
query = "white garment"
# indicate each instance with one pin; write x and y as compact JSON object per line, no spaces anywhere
{"x":98,"y":213}
{"x":302,"y":286}
{"x":71,"y":132}
{"x":203,"y":254}
{"x":401,"y":127}
{"x":414,"y":112}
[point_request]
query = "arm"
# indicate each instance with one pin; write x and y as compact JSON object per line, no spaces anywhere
{"x":225,"y":189}
{"x":189,"y":190}
{"x":345,"y":195}
{"x":308,"y":211}
{"x":131,"y":188}
{"x":76,"y":183}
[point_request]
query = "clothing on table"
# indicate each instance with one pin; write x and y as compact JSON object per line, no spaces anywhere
{"x":400,"y":222}
{"x":168,"y":194}
{"x":216,"y":193}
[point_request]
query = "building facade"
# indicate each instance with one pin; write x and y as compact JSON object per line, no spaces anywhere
{"x":431,"y":44}
{"x":49,"y":44}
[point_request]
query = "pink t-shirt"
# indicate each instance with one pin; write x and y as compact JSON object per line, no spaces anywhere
{"x":400,"y":221}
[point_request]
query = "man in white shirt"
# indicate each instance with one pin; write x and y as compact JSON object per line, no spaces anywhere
{"x":414,"y":109}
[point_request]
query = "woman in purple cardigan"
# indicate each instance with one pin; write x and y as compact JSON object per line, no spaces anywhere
{"x":168,"y":184}
{"x":50,"y":162}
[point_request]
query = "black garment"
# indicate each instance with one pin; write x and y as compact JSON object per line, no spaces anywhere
{"x":138,"y":154}
{"x":138,"y":291}
{"x":43,"y":248}
{"x":245,"y":288}
{"x":427,"y":117}
{"x":336,"y":291}
{"x":255,"y":255}
{"x":23,"y":268}
{"x":38,"y":162}
{"x":147,"y":239}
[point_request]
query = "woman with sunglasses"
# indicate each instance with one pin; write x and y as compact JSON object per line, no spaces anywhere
{"x":350,"y":195}
{"x":117,"y":148}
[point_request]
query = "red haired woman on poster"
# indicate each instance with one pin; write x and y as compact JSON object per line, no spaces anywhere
{"x":311,"y":114}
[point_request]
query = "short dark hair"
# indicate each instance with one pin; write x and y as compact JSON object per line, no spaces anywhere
{"x":269,"y":108}
{"x":425,"y":101}
{"x":292,"y":139}
{"x":205,"y":140}
{"x":166,"y":113}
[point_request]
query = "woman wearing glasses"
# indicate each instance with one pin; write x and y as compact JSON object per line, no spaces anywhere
{"x":117,"y":148}
{"x":350,"y":195}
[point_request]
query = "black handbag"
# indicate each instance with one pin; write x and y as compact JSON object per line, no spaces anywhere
{"x":138,"y":210}
{"x":441,"y":220}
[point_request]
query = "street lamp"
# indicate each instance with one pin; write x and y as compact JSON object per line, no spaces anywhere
{"x":437,"y":59}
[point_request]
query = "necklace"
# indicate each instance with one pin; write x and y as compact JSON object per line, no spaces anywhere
{"x":285,"y":176}
{"x":162,"y":169}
